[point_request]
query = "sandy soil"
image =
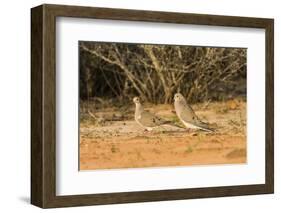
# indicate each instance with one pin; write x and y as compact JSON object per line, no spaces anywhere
{"x":123,"y":144}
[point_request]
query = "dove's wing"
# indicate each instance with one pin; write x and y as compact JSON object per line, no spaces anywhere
{"x":150,"y":120}
{"x":187,"y":115}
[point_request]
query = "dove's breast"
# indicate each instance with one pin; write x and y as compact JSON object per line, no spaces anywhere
{"x":179,"y":108}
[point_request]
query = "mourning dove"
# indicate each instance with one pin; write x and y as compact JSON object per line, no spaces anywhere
{"x":187,"y":116}
{"x":146,"y":119}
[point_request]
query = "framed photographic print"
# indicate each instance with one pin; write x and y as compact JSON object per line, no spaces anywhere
{"x":136,"y":106}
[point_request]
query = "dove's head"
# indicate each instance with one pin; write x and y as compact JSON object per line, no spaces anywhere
{"x":179,"y":97}
{"x":136,"y":100}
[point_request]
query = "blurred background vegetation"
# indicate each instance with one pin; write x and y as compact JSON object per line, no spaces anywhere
{"x":120,"y":71}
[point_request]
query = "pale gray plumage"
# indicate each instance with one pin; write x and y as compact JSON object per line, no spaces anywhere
{"x":145,"y":118}
{"x":186,"y":114}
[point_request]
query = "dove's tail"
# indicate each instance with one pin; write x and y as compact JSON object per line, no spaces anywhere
{"x":205,"y":128}
{"x":173,"y":124}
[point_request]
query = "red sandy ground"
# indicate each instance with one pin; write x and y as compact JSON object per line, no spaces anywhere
{"x":123,"y":144}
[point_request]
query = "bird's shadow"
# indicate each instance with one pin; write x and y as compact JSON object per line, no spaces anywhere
{"x":174,"y":132}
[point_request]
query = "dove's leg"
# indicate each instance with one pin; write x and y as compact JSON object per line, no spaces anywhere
{"x":163,"y":129}
{"x":191,"y":130}
{"x":188,"y":130}
{"x":147,"y":130}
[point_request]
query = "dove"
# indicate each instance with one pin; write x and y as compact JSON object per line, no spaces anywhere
{"x":146,"y":119}
{"x":186,"y":114}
